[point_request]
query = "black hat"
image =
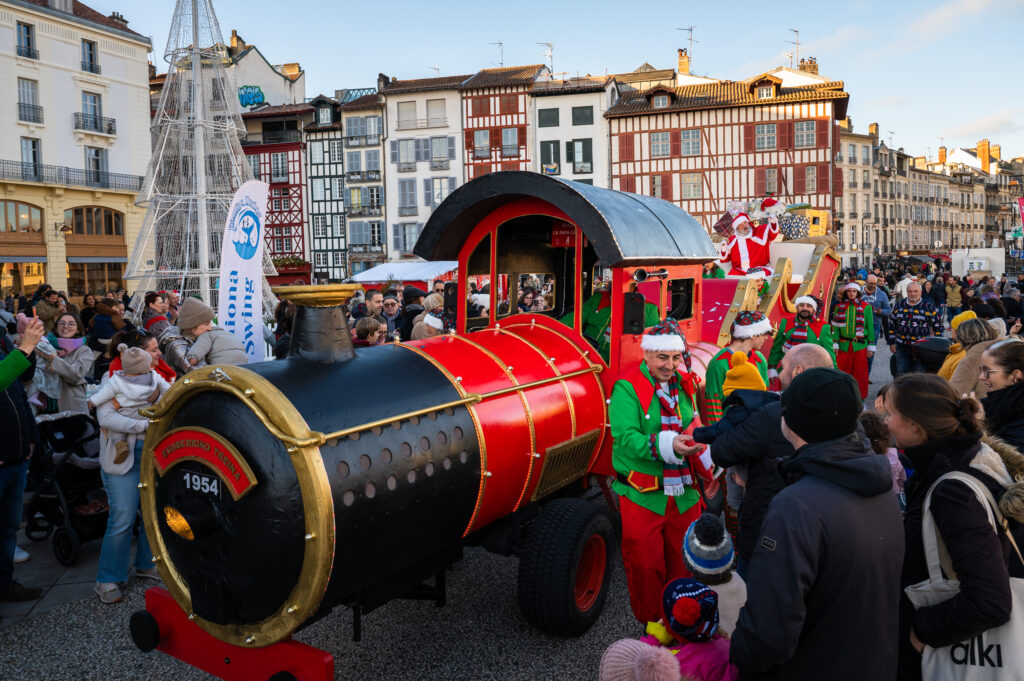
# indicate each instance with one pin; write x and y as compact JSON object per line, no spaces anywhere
{"x":412,"y":293}
{"x":822,"y":404}
{"x":984,"y":311}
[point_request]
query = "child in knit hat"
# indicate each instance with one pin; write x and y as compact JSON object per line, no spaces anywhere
{"x":708,"y":555}
{"x":210,"y":344}
{"x":689,"y":629}
{"x":133,"y":386}
{"x":632,"y":660}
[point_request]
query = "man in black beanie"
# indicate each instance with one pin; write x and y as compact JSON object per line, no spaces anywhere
{"x":825,"y":575}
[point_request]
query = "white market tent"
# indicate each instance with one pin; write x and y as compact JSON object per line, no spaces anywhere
{"x":406,"y":271}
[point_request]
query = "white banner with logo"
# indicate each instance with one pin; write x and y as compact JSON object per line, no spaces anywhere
{"x":240,"y":293}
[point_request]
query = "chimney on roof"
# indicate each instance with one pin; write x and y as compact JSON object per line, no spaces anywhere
{"x":684,"y":63}
{"x":873,"y":129}
{"x":152,"y":70}
{"x":942,"y":156}
{"x":119,"y":19}
{"x":382,"y":81}
{"x":846,"y":123}
{"x":60,"y":6}
{"x":984,"y":154}
{"x":809,"y":65}
{"x":996,"y":152}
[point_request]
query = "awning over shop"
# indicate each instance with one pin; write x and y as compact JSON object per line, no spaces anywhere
{"x":92,"y":259}
{"x":942,"y":256}
{"x":406,"y":271}
{"x":22,"y":258}
{"x":923,"y":258}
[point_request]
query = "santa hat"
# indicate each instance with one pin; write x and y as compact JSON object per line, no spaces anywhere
{"x":772,"y":206}
{"x":750,"y":324}
{"x":666,"y":336}
{"x":438,"y":319}
{"x":852,"y":286}
{"x":690,"y":610}
{"x":807,"y":300}
{"x":481,"y":300}
{"x":740,"y":219}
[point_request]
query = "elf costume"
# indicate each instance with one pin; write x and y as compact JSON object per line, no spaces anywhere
{"x":656,"y":487}
{"x":747,"y":325}
{"x":795,"y":331}
{"x":854,"y":325}
{"x":597,"y":317}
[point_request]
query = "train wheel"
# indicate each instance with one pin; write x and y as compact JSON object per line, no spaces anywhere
{"x":66,"y":545}
{"x":565,"y":567}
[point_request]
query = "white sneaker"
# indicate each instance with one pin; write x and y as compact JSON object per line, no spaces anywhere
{"x":21,"y":555}
{"x":108,"y":592}
{"x":149,"y":573}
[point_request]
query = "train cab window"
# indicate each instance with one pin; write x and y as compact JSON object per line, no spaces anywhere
{"x":536,"y":292}
{"x":538,"y":255}
{"x":478,"y":287}
{"x":680,"y":298}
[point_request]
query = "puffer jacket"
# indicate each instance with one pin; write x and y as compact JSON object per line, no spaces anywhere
{"x":981,"y":559}
{"x":1004,"y":414}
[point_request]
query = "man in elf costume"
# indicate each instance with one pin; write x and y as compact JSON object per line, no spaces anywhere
{"x":853,"y":320}
{"x":597,"y":317}
{"x":803,"y":327}
{"x":652,"y":414}
{"x":749,"y":332}
{"x":746,"y":252}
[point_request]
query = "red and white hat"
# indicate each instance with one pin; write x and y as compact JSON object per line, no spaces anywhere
{"x":740,"y":219}
{"x":750,"y":324}
{"x":807,"y":300}
{"x":666,"y":336}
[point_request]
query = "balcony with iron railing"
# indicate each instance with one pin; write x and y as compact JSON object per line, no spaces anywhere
{"x":853,"y":213}
{"x":406,"y":166}
{"x":279,"y":176}
{"x":867,"y":184}
{"x":417,"y":123}
{"x":362,"y":176}
{"x":369,"y":210}
{"x":28,"y":52}
{"x":69,"y":177}
{"x":366,"y":248}
{"x":30,"y":113}
{"x":272,"y":137}
{"x":582,"y":167}
{"x":405,"y":211}
{"x":362,"y":140}
{"x":439,"y":164}
{"x":509,"y":150}
{"x":91,"y":67}
{"x":481,"y":152}
{"x":94,"y":123}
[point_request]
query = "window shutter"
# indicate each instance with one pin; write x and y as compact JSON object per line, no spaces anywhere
{"x":396,"y":231}
{"x":428,"y":194}
{"x":759,"y":182}
{"x":469,"y":140}
{"x":522,"y":135}
{"x":783,"y":181}
{"x":629,"y":184}
{"x":545,"y":153}
{"x":495,"y":138}
{"x":422,"y":149}
{"x":587,"y":150}
{"x":799,"y":180}
{"x":394,"y":151}
{"x":666,"y":185}
{"x":570,"y":152}
{"x":784,"y":135}
{"x":677,"y":143}
{"x":348,"y":196}
{"x":838,"y":184}
{"x":822,"y":179}
{"x":821,"y":128}
{"x":451,"y":185}
{"x":626,"y":147}
{"x":557,"y":151}
{"x":451,"y":147}
{"x":749,"y":140}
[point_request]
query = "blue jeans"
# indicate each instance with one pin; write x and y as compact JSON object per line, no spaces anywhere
{"x":905,"y":361}
{"x":12,"y":490}
{"x":123,"y":497}
{"x":952,"y":312}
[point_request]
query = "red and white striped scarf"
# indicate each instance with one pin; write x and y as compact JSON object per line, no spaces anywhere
{"x":675,"y":478}
{"x":849,"y":329}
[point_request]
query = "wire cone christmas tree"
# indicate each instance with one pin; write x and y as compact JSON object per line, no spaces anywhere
{"x":197,"y":166}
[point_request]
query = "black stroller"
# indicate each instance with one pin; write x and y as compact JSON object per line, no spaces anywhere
{"x":68,"y":499}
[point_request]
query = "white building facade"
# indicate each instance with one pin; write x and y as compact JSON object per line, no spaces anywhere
{"x":325,"y":155}
{"x":365,"y":217}
{"x":571,"y":133}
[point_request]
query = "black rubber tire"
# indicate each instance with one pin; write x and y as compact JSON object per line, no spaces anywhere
{"x":66,"y":545}
{"x":547,"y":567}
{"x":144,"y":630}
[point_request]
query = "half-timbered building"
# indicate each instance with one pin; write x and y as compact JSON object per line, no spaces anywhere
{"x":496,"y":119}
{"x":701,"y":145}
{"x":325,"y":170}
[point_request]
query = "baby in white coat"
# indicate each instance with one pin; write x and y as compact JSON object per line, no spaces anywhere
{"x":133,"y":386}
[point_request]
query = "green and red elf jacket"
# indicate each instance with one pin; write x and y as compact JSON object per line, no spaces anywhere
{"x":791,"y":334}
{"x":854,"y":324}
{"x":636,"y":426}
{"x":714,"y":378}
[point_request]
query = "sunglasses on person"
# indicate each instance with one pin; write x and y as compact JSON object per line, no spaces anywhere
{"x":391,"y":304}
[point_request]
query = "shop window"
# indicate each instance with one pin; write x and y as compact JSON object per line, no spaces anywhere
{"x":21,"y":217}
{"x":94,"y":221}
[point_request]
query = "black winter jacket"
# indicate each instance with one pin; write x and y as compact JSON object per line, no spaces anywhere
{"x":1004,"y":414}
{"x":409,"y":313}
{"x":16,"y":421}
{"x":826,"y":571}
{"x":979,"y":556}
{"x":758,"y":442}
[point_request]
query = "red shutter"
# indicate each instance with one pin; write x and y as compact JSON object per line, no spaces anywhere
{"x":838,"y":184}
{"x":823,"y":178}
{"x":626,"y":146}
{"x":522,"y":135}
{"x":799,"y":180}
{"x":759,"y":182}
{"x":748,"y":138}
{"x":495,"y":138}
{"x":783,"y":183}
{"x":629,"y":184}
{"x":666,"y":181}
{"x":821,"y":127}
{"x":469,"y":140}
{"x":785,"y":135}
{"x":677,"y":145}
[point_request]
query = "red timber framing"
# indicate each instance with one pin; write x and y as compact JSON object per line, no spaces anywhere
{"x":286,"y":227}
{"x":495,"y":110}
{"x":728,"y":164}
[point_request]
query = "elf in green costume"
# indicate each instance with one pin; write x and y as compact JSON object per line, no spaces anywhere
{"x":652,"y":413}
{"x":749,"y":332}
{"x":597,"y":317}
{"x":803,"y":327}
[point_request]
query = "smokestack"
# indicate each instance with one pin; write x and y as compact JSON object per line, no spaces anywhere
{"x":119,"y":19}
{"x":942,"y":155}
{"x":873,"y":129}
{"x":684,"y":63}
{"x":984,"y":154}
{"x":320,"y":330}
{"x":996,"y":152}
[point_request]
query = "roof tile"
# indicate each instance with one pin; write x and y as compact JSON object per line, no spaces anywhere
{"x":362,"y":103}
{"x":508,"y":75}
{"x":279,"y":110}
{"x":724,"y":94}
{"x":89,"y":14}
{"x":425,"y":84}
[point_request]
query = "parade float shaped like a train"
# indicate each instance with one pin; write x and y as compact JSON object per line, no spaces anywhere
{"x":274,"y":492}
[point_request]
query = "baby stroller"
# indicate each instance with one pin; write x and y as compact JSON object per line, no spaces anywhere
{"x":68,"y":499}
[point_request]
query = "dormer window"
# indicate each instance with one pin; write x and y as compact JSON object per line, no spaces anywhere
{"x":323,"y":115}
{"x":659,"y":101}
{"x":765,"y":92}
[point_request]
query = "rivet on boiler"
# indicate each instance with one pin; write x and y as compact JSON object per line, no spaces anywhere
{"x":487,"y":474}
{"x":311,"y":536}
{"x":249,"y":392}
{"x":250,"y":639}
{"x":291,"y":609}
{"x":142,"y":485}
{"x":191,"y":616}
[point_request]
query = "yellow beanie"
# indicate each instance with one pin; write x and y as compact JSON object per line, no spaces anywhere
{"x":961,"y":318}
{"x":741,"y":374}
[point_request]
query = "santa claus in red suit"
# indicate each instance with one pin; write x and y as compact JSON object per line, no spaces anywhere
{"x":747,"y":250}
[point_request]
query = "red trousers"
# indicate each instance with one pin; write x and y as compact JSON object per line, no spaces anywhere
{"x":855,"y":363}
{"x":652,"y":552}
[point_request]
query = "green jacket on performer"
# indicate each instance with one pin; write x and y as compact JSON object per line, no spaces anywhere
{"x":822,"y":336}
{"x":595,"y":320}
{"x":714,"y":379}
{"x":638,"y":472}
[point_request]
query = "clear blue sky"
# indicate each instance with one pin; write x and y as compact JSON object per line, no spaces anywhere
{"x":923,"y":70}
